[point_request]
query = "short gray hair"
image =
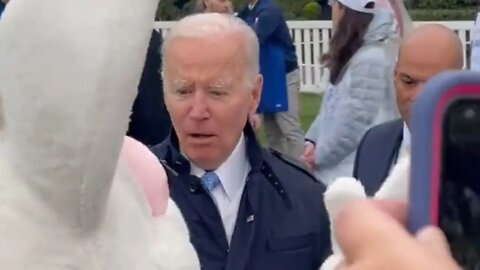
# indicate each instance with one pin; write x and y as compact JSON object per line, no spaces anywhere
{"x":213,"y":25}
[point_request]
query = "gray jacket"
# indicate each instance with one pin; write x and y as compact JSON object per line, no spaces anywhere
{"x":364,"y":97}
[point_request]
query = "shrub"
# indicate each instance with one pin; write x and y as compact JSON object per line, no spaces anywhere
{"x":443,"y":4}
{"x":442,"y":14}
{"x":311,"y":11}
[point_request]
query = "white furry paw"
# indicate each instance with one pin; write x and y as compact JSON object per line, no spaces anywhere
{"x":332,"y":263}
{"x":341,"y":192}
{"x":172,"y":249}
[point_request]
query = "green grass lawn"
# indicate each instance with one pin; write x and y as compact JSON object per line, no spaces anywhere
{"x":309,"y":104}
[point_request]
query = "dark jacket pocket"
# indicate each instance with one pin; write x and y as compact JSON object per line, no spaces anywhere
{"x":292,"y":243}
{"x":293,"y":253}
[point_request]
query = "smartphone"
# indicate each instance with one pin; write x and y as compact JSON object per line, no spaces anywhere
{"x":445,"y":173}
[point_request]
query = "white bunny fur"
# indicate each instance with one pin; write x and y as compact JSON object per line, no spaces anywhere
{"x":345,"y":190}
{"x":70,"y":72}
{"x":172,"y":249}
{"x":35,"y":237}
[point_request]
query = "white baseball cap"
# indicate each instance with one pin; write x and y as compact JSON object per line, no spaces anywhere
{"x":358,"y":5}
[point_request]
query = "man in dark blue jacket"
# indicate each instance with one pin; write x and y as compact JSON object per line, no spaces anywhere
{"x":283,"y":129}
{"x":246,"y":208}
{"x":325,"y":10}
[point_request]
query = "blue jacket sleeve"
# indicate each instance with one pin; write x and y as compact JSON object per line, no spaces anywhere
{"x":267,"y":21}
{"x":355,"y":112}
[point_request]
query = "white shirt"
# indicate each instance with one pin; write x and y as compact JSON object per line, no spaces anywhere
{"x":233,"y":176}
{"x":404,"y":146}
{"x":252,"y":5}
{"x":406,"y":140}
{"x":475,"y":51}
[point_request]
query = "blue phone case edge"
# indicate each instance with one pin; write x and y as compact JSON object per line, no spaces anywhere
{"x":422,"y":124}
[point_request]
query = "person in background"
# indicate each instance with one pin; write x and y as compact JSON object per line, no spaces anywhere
{"x":428,"y":51}
{"x":475,"y":42}
{"x":150,"y":122}
{"x":219,"y":6}
{"x":360,"y":94}
{"x":325,"y":10}
{"x":245,"y":207}
{"x":282,"y":129}
{"x":403,"y":24}
{"x":3,"y":3}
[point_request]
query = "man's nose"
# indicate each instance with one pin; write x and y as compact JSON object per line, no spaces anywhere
{"x":199,"y":110}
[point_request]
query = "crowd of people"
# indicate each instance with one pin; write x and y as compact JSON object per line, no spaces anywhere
{"x":248,"y":207}
{"x":378,"y":64}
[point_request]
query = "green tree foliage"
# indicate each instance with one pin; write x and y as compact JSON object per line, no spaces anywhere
{"x":292,"y":9}
{"x":304,"y":9}
{"x":441,"y":10}
{"x":311,"y":11}
{"x":167,"y":11}
{"x":442,"y":4}
{"x":443,"y":14}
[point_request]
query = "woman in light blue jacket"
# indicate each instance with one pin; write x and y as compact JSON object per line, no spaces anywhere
{"x":360,"y":94}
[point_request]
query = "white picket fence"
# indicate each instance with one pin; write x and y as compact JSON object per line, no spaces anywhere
{"x":311,"y":41}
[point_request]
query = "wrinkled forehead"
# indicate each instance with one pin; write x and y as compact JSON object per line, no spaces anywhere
{"x":225,"y":46}
{"x":219,"y":59}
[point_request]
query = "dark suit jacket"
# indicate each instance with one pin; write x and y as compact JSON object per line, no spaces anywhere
{"x":282,"y":223}
{"x":150,"y":121}
{"x":376,"y":154}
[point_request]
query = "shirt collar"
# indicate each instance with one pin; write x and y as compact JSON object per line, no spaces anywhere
{"x":252,"y":5}
{"x":232,"y":173}
{"x":406,"y":135}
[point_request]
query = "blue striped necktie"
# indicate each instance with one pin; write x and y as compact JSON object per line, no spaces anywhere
{"x":210,"y":181}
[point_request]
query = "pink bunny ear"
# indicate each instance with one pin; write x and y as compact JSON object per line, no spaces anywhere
{"x":149,"y":173}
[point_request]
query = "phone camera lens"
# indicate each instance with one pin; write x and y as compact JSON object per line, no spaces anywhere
{"x":464,"y":122}
{"x":469,"y":113}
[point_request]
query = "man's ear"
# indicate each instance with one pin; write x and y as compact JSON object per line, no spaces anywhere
{"x":256,"y":93}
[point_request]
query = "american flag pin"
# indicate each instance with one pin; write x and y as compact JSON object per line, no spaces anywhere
{"x":250,"y":218}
